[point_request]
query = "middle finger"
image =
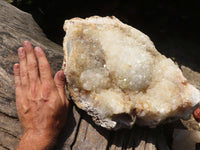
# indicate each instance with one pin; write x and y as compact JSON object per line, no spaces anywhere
{"x":32,"y":65}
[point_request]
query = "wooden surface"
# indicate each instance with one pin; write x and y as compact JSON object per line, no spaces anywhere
{"x":80,"y":132}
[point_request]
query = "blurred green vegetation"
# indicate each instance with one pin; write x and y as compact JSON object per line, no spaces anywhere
{"x":9,"y":1}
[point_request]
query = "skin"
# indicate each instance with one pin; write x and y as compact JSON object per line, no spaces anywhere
{"x":41,"y":101}
{"x":196,"y":114}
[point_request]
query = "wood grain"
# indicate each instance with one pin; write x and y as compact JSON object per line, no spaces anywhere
{"x":80,"y":132}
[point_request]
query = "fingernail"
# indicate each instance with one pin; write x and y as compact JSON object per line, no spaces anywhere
{"x":37,"y":49}
{"x":16,"y":66}
{"x":21,"y":51}
{"x":61,"y":75}
{"x":26,"y":43}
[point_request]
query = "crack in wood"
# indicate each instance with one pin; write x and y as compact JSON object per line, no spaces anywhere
{"x":6,"y":98}
{"x":23,"y":27}
{"x":76,"y":135}
{"x":7,"y":132}
{"x":7,"y":115}
{"x":86,"y":132}
{"x":3,"y":147}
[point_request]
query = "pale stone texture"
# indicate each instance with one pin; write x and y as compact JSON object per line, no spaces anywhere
{"x":115,"y":73}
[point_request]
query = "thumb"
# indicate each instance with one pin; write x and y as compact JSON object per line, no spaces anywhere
{"x":60,"y":84}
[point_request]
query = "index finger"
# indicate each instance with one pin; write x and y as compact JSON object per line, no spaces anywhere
{"x":44,"y":67}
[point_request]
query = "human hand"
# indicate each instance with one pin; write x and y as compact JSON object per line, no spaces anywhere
{"x":196,"y":114}
{"x":41,"y":100}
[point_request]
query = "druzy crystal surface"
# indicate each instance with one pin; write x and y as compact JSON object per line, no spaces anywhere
{"x":116,"y":75}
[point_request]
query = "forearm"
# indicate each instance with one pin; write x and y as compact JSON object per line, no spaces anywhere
{"x":36,"y":141}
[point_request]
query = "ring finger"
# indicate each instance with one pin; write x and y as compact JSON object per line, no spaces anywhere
{"x":23,"y":68}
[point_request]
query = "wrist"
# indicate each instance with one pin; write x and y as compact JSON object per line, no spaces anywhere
{"x":37,"y":140}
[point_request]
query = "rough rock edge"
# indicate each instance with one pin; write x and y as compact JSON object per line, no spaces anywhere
{"x":81,"y":103}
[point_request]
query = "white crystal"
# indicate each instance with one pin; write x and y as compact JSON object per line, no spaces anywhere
{"x":120,"y":76}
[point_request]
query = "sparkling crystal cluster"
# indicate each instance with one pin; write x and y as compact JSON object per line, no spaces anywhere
{"x":115,"y":74}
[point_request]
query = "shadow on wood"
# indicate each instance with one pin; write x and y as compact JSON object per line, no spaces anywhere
{"x":80,"y":132}
{"x":87,"y":135}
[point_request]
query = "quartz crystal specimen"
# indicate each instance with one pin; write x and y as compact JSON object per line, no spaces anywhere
{"x":116,"y":75}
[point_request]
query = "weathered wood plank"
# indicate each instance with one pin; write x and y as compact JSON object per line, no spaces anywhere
{"x":3,"y":148}
{"x":15,"y":27}
{"x":80,"y":132}
{"x":10,"y":125}
{"x":69,"y":133}
{"x":7,"y":140}
{"x":185,"y":139}
{"x":90,"y":138}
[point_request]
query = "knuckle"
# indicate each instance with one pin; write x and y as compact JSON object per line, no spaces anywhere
{"x":17,"y":84}
{"x":24,"y":85}
{"x":46,"y":92}
{"x":29,"y":50}
{"x":47,"y":84}
{"x":22,"y":105}
{"x":60,"y":84}
{"x":23,"y":73}
{"x":32,"y":66}
{"x":16,"y":73}
{"x":33,"y":92}
{"x":47,"y":87}
{"x":45,"y":73}
{"x":22,"y":57}
{"x":44,"y":66}
{"x":25,"y":109}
